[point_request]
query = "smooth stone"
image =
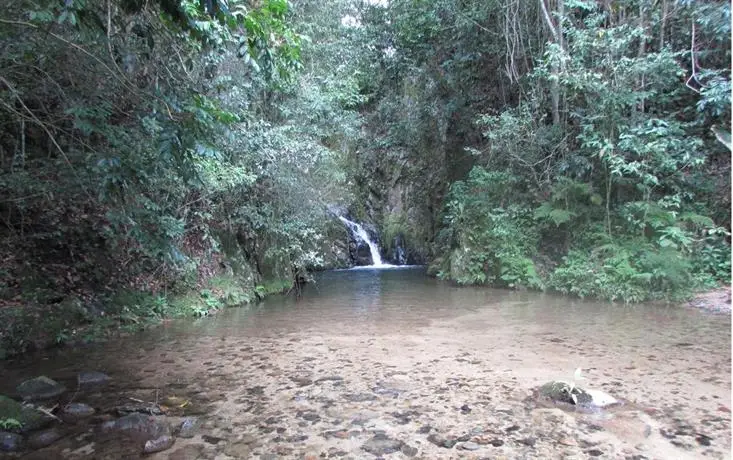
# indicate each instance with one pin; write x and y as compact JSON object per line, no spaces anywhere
{"x":30,"y":419}
{"x":469,"y":446}
{"x":138,"y":426}
{"x":40,"y":388}
{"x":238,"y":450}
{"x":309,"y":416}
{"x":188,"y":428}
{"x":382,"y":445}
{"x":302,"y":381}
{"x":142,"y":408}
{"x":44,"y":438}
{"x":409,"y":451}
{"x":442,"y":441}
{"x":77,"y":411}
{"x":212,"y":439}
{"x":10,"y":442}
{"x":92,"y":378}
{"x":159,"y":444}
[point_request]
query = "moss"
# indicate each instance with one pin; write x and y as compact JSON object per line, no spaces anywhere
{"x":231,"y":291}
{"x":414,"y":237}
{"x":126,"y":311}
{"x":29,"y":418}
{"x":277,"y":286}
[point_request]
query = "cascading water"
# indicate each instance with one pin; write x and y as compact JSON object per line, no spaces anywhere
{"x":359,"y":232}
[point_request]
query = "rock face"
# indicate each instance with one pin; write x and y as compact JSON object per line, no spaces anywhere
{"x":362,"y":254}
{"x":40,"y":388}
{"x":29,"y":418}
{"x":398,"y":254}
{"x":10,"y":442}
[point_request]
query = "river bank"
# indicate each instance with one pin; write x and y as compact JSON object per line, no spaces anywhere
{"x":76,"y":320}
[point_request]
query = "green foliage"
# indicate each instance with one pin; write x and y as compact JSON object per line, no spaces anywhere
{"x":622,"y":207}
{"x":627,"y":272}
{"x":10,"y":424}
{"x":487,"y":242}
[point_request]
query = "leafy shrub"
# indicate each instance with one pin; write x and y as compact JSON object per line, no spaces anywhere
{"x":627,"y":271}
{"x":486,"y":242}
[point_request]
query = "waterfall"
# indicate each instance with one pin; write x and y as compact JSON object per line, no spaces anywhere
{"x":359,"y":232}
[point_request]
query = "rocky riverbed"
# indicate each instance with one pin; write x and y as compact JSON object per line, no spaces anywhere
{"x":406,"y":396}
{"x":716,"y":300}
{"x":309,"y":381}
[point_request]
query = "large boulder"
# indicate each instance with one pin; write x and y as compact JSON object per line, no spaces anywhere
{"x":30,"y":419}
{"x":40,"y":388}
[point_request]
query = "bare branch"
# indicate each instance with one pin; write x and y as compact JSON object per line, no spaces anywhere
{"x":693,"y":62}
{"x":549,"y":22}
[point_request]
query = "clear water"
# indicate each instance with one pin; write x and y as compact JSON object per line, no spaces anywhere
{"x":406,"y":351}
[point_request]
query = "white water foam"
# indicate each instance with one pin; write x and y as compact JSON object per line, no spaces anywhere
{"x":361,"y":234}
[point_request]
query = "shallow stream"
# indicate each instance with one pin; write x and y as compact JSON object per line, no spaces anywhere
{"x":391,"y":363}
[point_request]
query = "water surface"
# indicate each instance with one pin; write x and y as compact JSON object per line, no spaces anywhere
{"x":365,"y":358}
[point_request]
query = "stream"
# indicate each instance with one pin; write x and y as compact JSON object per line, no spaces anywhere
{"x":391,"y":363}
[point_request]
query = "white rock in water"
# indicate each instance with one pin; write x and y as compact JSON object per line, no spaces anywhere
{"x":601,"y":399}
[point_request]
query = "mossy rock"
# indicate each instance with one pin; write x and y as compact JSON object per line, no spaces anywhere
{"x":564,"y":392}
{"x":29,"y":418}
{"x":40,"y":388}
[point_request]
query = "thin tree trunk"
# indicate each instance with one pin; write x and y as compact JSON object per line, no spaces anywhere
{"x":642,"y":51}
{"x":665,"y":11}
{"x":556,"y":32}
{"x":608,"y":200}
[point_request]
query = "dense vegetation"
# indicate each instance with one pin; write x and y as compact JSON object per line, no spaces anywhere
{"x":598,"y":138}
{"x":168,"y":157}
